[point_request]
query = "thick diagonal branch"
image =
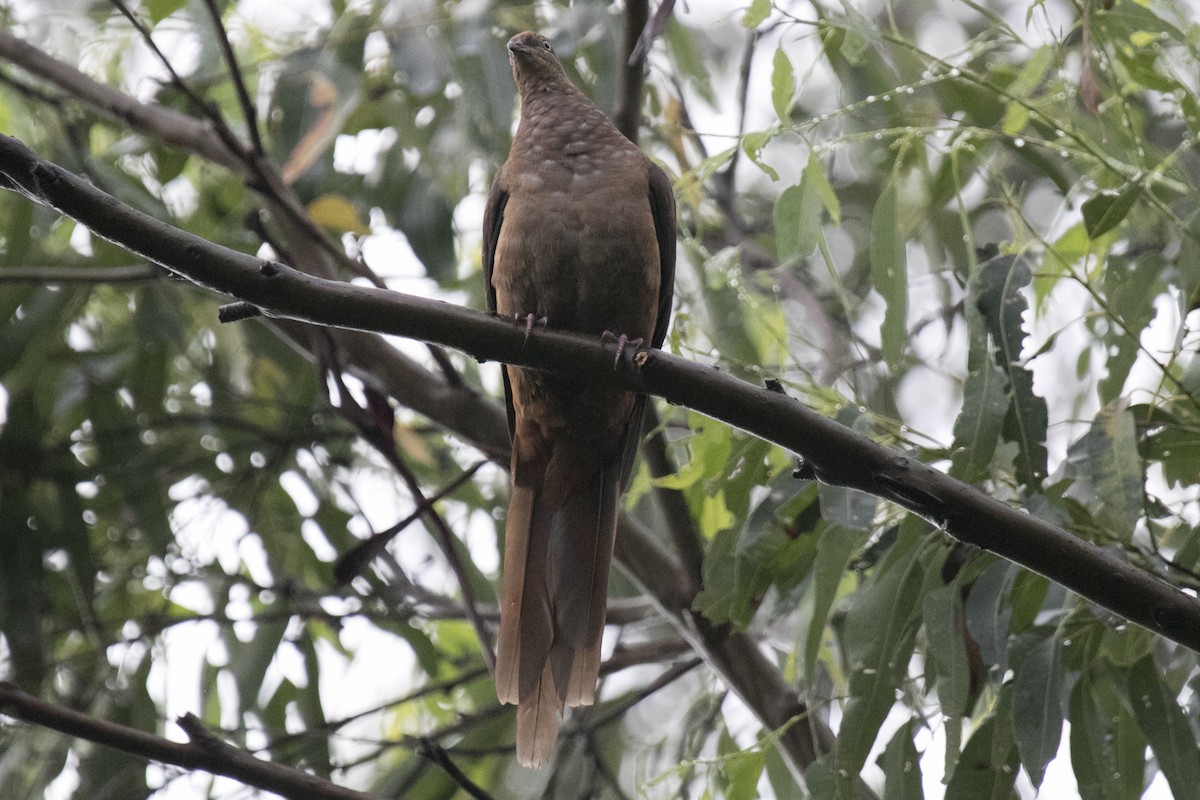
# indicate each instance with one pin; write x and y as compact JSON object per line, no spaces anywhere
{"x":836,"y":454}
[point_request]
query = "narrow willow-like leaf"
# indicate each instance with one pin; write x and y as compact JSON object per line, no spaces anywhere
{"x":797,"y":218}
{"x":987,"y":768}
{"x":814,"y":173}
{"x":783,"y":84}
{"x":756,"y":13}
{"x":1130,"y":286}
{"x":889,"y":274}
{"x":1166,"y":727}
{"x":901,"y":765}
{"x":944,"y":622}
{"x":977,"y":429}
{"x":1096,"y":758}
{"x":1108,"y":471}
{"x":833,"y":554}
{"x":878,"y":640}
{"x":248,"y":661}
{"x":1038,"y":707}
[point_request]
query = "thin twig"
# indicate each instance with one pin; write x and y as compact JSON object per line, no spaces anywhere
{"x":207,"y":109}
{"x":688,"y":544}
{"x":235,"y":75}
{"x":438,"y":755}
{"x":204,"y":752}
{"x":386,"y":446}
{"x":619,"y":707}
{"x":355,"y":560}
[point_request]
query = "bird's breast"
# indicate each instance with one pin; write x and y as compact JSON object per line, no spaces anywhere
{"x":578,"y":247}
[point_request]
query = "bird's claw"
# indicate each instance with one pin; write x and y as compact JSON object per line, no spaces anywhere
{"x":622,"y":341}
{"x":529,"y":321}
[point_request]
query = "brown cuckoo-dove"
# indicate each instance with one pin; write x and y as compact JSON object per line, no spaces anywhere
{"x":578,"y":235}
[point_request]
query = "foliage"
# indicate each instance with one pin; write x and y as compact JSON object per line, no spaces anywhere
{"x":969,"y":231}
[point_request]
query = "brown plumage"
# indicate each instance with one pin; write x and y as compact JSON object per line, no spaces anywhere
{"x":579,"y":231}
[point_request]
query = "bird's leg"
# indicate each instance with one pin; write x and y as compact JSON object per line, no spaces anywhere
{"x":622,"y":341}
{"x":530,"y":320}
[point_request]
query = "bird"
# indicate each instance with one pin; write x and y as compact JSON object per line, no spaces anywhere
{"x":578,"y":235}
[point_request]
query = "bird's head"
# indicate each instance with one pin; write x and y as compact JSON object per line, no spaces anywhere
{"x":533,"y":62}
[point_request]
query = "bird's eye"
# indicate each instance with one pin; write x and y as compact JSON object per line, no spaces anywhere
{"x":547,"y":46}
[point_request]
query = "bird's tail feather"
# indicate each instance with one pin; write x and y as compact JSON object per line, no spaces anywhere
{"x":537,"y":723}
{"x":558,"y":549}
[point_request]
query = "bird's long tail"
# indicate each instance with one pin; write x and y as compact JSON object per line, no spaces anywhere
{"x":559,"y":539}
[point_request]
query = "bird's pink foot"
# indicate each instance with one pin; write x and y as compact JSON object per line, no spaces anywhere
{"x":529,"y":321}
{"x":622,"y":341}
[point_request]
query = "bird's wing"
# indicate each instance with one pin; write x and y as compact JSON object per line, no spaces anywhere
{"x":662,"y":206}
{"x":493,"y":221}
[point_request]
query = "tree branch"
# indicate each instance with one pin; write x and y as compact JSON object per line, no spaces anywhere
{"x":235,"y":76}
{"x":836,"y":454}
{"x":205,"y":751}
{"x":163,"y":124}
{"x":631,"y":71}
{"x":457,"y":407}
{"x":50,"y":276}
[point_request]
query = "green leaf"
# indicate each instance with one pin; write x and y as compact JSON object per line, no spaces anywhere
{"x":1106,"y":750}
{"x":718,"y":597}
{"x":1166,"y":726}
{"x":988,"y":766}
{"x":783,"y":84}
{"x":797,"y":213}
{"x":979,"y":423}
{"x":161,"y":9}
{"x":1107,"y":471}
{"x":1038,"y":707}
{"x":878,"y":639}
{"x":1130,"y":286}
{"x":1176,"y":446}
{"x":1032,"y":71}
{"x":861,"y":34}
{"x":741,"y":772}
{"x":756,"y":13}
{"x":836,"y":547}
{"x":248,"y":661}
{"x":752,"y":146}
{"x":1106,"y":209}
{"x":709,"y":448}
{"x":1016,"y":116}
{"x":823,"y":782}
{"x":944,"y":625}
{"x":797,"y":221}
{"x":989,"y":611}
{"x":1126,"y":645}
{"x":997,"y":296}
{"x":814,"y":173}
{"x":337,"y":213}
{"x":889,"y":274}
{"x":901,"y":765}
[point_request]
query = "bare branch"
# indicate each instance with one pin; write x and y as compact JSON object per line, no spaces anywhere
{"x":355,"y":560}
{"x":438,"y":755}
{"x":164,"y":124}
{"x":836,"y":454}
{"x":631,"y":74}
{"x":51,"y":276}
{"x":205,"y":751}
{"x":235,"y":75}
